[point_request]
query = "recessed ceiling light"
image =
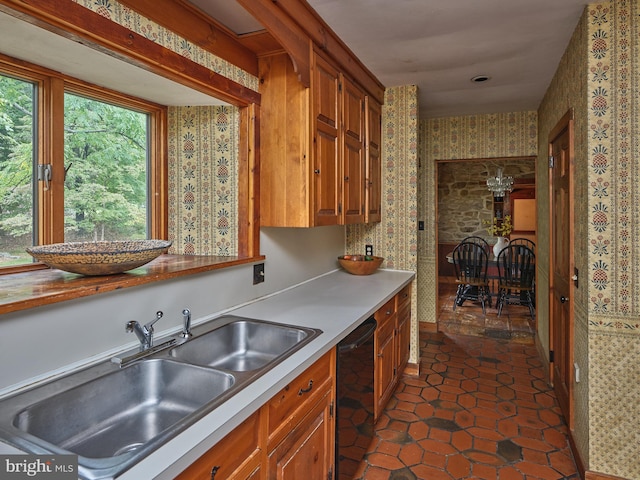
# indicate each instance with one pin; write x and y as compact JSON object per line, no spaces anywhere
{"x":480,"y":78}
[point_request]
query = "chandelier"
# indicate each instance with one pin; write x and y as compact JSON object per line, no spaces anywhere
{"x":499,"y":184}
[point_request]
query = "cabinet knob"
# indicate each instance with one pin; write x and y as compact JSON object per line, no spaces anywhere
{"x":346,"y":179}
{"x":317,"y":170}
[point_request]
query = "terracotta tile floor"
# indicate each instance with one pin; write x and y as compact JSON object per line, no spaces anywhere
{"x":480,"y":409}
{"x":514,"y":323}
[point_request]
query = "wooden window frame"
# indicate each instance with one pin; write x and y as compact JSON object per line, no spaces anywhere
{"x":77,"y":23}
{"x":49,"y":144}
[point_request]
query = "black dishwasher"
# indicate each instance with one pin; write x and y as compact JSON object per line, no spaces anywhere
{"x":355,"y":403}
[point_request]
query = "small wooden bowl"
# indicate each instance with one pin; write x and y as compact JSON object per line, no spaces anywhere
{"x":359,"y":264}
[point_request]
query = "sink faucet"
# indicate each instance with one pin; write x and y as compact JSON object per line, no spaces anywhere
{"x":144,"y":332}
{"x":186,"y":323}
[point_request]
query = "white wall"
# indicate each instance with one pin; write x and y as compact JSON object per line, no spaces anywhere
{"x":38,"y":342}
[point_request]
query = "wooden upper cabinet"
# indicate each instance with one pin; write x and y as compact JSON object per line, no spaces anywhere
{"x":373,"y":181}
{"x":313,"y":146}
{"x":286,"y":170}
{"x":325,"y":85}
{"x":353,"y":149}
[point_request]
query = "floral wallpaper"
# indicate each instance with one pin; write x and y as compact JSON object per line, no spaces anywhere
{"x":613,"y":250}
{"x":203,"y":180}
{"x":599,"y":77}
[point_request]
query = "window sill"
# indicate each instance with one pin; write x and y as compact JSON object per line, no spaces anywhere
{"x":20,"y":291}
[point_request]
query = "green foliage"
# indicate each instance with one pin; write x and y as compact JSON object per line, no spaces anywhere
{"x":106,"y":186}
{"x":105,"y":149}
{"x":16,"y":153}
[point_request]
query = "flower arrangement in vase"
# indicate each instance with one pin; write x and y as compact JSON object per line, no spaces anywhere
{"x":500,"y":230}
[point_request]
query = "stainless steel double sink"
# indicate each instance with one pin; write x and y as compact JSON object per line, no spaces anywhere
{"x":112,"y":417}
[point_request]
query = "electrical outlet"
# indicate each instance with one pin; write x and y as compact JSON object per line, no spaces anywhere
{"x":258,"y":273}
{"x":368,"y":250}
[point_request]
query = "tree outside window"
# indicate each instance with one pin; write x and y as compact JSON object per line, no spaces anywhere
{"x":106,"y":162}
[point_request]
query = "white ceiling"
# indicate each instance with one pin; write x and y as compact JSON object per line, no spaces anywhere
{"x":439,"y":45}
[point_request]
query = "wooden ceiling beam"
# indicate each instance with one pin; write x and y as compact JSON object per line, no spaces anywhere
{"x":184,"y":19}
{"x":73,"y":21}
{"x":294,"y":40}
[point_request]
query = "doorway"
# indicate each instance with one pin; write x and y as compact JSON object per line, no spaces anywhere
{"x":561,"y":268}
{"x":464,"y":207}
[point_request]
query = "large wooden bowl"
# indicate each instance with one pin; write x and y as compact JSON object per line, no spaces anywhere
{"x":99,"y":258}
{"x":360,"y":264}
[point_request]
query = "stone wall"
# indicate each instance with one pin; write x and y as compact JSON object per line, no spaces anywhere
{"x":463,"y":199}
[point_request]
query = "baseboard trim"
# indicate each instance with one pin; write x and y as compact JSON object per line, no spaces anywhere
{"x":578,"y":458}
{"x":600,"y":476}
{"x":412,"y":369}
{"x":543,"y":353}
{"x":428,"y":327}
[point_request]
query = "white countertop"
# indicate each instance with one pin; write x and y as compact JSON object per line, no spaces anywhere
{"x":335,"y":303}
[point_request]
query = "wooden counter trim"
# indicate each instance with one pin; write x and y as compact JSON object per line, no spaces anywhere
{"x":20,"y":291}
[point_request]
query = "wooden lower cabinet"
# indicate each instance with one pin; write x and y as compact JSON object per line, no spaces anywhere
{"x":392,"y":346}
{"x":291,"y":437}
{"x":403,"y":327}
{"x":307,"y":452}
{"x":236,"y":457}
{"x":384,"y":363}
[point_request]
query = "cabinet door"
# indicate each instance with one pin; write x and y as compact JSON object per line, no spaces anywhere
{"x":285,"y":153}
{"x":327,"y":162}
{"x":307,"y":452}
{"x":353,"y":152}
{"x":373,"y":200}
{"x":233,"y":457}
{"x":403,"y":338}
{"x":384,"y":363}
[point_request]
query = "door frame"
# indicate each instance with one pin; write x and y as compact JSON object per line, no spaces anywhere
{"x":438,"y":163}
{"x":565,"y":123}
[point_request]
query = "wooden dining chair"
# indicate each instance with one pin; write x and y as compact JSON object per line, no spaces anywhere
{"x":531,"y":244}
{"x":479,"y":241}
{"x":523,"y":241}
{"x":470,"y":264}
{"x":516,"y":274}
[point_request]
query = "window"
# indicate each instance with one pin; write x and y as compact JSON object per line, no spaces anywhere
{"x":77,"y":163}
{"x":105,"y":157}
{"x":17,"y":154}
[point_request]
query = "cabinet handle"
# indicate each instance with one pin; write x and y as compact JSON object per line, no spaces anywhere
{"x":214,"y":470}
{"x":302,"y":391}
{"x":388,"y":312}
{"x":380,"y":355}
